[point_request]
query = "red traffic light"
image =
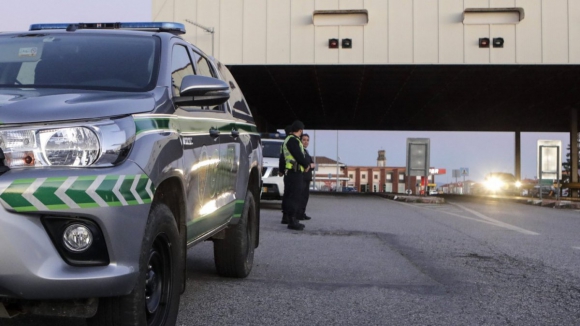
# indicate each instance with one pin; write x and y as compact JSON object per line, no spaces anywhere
{"x":333,"y":43}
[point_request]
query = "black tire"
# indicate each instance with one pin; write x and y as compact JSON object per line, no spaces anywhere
{"x":155,"y":299}
{"x":234,"y":255}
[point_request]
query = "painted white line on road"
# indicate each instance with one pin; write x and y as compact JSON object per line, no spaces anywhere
{"x":496,"y":222}
{"x":450,"y":213}
{"x":578,"y":248}
{"x":485,"y":219}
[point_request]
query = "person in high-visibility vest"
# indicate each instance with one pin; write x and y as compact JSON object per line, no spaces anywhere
{"x":296,"y":165}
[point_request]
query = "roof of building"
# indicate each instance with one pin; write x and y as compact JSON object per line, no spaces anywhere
{"x":324,"y":160}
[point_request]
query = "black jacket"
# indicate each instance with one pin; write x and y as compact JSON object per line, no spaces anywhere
{"x":308,"y":175}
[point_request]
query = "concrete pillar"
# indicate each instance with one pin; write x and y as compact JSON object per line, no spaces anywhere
{"x":574,"y":148}
{"x":518,"y":166}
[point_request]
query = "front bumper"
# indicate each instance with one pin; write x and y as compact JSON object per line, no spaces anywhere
{"x":30,"y":266}
{"x":270,"y":191}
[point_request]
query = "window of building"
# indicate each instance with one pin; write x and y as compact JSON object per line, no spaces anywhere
{"x":376,"y":176}
{"x":401,"y":177}
{"x":350,"y":176}
{"x":364,"y":176}
{"x":389,"y":176}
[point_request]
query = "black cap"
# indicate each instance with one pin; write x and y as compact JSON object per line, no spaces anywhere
{"x":297,"y":125}
{"x":288,"y":129}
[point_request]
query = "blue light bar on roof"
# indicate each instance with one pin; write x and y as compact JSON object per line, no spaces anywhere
{"x":174,"y":28}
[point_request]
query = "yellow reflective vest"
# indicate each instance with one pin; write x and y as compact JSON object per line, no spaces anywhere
{"x":290,"y":160}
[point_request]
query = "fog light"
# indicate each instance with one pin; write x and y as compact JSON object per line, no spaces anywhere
{"x":77,"y":238}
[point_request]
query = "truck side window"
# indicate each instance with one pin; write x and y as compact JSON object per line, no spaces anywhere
{"x":181,"y":66}
{"x":202,"y":66}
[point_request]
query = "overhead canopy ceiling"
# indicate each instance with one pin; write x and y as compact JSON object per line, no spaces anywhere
{"x":412,"y":97}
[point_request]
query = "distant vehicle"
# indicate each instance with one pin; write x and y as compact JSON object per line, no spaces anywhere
{"x":433,"y":192}
{"x":349,"y":189}
{"x":272,"y":182}
{"x":502,"y":184}
{"x":546,"y":191}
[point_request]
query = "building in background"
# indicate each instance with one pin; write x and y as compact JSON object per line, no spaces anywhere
{"x":380,"y":178}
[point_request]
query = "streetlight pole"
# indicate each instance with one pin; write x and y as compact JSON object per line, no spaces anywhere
{"x":337,"y":158}
{"x":207,"y":29}
{"x":314,"y":172}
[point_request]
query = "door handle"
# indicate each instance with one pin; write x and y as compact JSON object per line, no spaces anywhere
{"x":214,"y":133}
{"x":235,"y":133}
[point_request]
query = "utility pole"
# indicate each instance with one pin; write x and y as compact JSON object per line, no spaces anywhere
{"x":337,"y":158}
{"x":207,"y":29}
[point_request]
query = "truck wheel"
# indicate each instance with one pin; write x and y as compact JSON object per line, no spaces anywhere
{"x":234,"y":255}
{"x":155,"y":298}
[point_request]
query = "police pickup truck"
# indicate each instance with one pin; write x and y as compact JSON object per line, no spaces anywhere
{"x":121,"y":145}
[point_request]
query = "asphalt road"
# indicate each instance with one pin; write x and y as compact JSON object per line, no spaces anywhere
{"x":370,"y":261}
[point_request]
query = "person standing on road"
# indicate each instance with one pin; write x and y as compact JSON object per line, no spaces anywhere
{"x":296,"y":165}
{"x":282,"y":172}
{"x":307,"y":179}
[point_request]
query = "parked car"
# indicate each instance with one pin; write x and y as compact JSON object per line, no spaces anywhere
{"x":272,"y":181}
{"x":349,"y":189}
{"x":545,"y":191}
{"x":121,"y":145}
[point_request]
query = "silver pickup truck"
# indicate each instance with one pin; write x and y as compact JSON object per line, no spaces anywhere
{"x":121,"y":146}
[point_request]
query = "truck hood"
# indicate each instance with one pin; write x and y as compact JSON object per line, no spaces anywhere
{"x":42,"y":105}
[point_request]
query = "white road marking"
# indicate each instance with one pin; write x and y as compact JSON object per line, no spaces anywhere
{"x":578,"y":248}
{"x":484,"y":219}
{"x":496,"y":222}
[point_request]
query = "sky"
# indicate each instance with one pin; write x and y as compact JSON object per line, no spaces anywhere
{"x":480,"y":152}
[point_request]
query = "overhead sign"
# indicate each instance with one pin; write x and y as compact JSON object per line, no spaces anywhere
{"x":437,"y":171}
{"x":464,"y":172}
{"x":456,"y":173}
{"x":549,"y":161}
{"x":418,"y":156}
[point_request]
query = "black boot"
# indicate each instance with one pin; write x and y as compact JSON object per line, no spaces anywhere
{"x":304,"y":217}
{"x":293,"y":224}
{"x":284,"y":219}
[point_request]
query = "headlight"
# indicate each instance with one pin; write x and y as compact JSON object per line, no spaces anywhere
{"x":518,"y":184}
{"x":494,"y":184}
{"x":98,"y":143}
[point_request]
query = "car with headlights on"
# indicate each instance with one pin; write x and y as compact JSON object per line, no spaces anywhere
{"x":501,"y":183}
{"x":121,"y":146}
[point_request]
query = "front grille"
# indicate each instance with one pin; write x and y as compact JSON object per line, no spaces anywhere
{"x":264,"y":171}
{"x":274,"y":172}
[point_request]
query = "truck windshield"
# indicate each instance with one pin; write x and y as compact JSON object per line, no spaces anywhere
{"x":271,"y":148}
{"x":86,"y":61}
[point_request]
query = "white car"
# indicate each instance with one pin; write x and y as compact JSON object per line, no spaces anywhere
{"x":272,"y":182}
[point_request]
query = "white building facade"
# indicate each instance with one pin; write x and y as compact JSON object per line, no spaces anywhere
{"x":397,"y":32}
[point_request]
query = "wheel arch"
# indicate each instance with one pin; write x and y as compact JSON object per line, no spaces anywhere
{"x":254,"y":185}
{"x":170,"y":192}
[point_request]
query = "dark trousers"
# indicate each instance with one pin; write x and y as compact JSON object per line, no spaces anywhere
{"x":304,"y":198}
{"x":285,"y":199}
{"x":293,"y":192}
